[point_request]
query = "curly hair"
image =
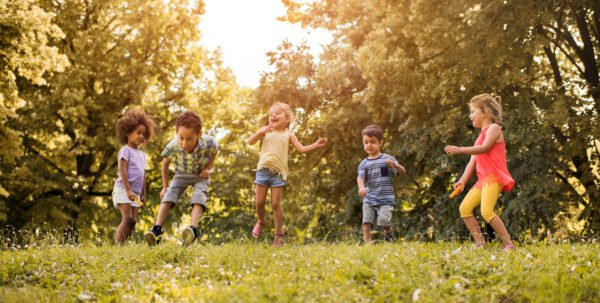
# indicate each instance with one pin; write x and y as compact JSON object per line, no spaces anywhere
{"x":189,"y":119}
{"x":492,"y":105}
{"x":130,"y":121}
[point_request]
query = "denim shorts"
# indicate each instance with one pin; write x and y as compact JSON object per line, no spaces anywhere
{"x":269,"y":178}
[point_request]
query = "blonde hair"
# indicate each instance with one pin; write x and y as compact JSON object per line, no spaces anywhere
{"x":285,"y":108}
{"x":492,"y":105}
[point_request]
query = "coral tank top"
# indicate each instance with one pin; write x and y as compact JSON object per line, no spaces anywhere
{"x":491,"y":166}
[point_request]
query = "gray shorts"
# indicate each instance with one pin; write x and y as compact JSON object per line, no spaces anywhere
{"x":383,"y":212}
{"x":180,"y":182}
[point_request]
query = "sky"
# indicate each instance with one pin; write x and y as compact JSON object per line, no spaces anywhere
{"x":247,"y":29}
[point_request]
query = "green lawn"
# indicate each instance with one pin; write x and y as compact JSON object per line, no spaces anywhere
{"x":256,"y":272}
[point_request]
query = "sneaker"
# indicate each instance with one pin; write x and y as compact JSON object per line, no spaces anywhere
{"x":152,"y":237}
{"x":189,"y":235}
{"x":389,"y":237}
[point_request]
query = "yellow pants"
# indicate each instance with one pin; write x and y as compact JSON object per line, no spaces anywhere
{"x":486,"y":196}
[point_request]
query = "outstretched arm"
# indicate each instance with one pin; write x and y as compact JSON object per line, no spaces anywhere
{"x":492,"y":135}
{"x":258,"y":134}
{"x":308,"y":148}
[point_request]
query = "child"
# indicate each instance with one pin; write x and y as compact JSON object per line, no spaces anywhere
{"x":376,"y":173}
{"x":272,"y":168}
{"x":194,"y":155}
{"x":489,"y":159}
{"x":133,"y":129}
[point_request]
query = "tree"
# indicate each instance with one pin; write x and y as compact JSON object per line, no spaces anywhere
{"x":123,"y":54}
{"x":422,"y":64}
{"x":27,"y":56}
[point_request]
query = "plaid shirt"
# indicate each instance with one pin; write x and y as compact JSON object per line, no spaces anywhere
{"x":194,"y":162}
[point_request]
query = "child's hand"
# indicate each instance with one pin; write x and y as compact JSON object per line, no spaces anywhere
{"x":321,"y":142}
{"x":460,"y":184}
{"x":362,"y":192}
{"x":131,"y":195}
{"x":265,"y":129}
{"x":205,"y":173}
{"x":453,"y":150}
{"x":395,"y":165}
{"x":163,"y":192}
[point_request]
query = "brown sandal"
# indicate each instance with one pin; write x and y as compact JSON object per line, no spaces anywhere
{"x":279,"y":243}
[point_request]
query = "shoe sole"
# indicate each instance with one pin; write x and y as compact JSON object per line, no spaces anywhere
{"x":188,"y":237}
{"x":150,"y":238}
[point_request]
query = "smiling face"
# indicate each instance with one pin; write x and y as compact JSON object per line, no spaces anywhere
{"x":188,"y":138}
{"x":372,"y":145}
{"x":137,"y":136}
{"x":478,"y":116}
{"x":279,"y":119}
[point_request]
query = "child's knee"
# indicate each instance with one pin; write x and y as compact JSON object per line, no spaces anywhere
{"x":488,"y":214}
{"x":465,"y":210}
{"x":275,"y":205}
{"x":130,"y":222}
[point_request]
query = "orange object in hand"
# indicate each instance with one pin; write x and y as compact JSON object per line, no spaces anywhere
{"x":139,"y":203}
{"x":456,"y":192}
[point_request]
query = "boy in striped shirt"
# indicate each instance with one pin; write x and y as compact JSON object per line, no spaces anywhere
{"x":375,"y":184}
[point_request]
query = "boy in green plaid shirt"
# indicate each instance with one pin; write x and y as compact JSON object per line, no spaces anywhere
{"x":193,"y":155}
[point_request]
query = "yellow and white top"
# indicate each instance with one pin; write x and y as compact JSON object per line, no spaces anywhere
{"x":274,"y":152}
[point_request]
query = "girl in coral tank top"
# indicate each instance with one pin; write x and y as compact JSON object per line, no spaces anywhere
{"x":488,"y":158}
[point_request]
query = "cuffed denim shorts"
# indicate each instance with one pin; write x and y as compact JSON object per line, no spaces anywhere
{"x":269,"y":178}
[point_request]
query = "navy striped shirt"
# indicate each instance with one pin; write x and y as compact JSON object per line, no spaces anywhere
{"x":378,"y":180}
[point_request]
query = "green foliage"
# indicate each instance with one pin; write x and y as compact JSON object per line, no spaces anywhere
{"x":26,"y":55}
{"x":69,"y":68}
{"x":123,"y":54}
{"x":411,"y":68}
{"x":430,"y":272}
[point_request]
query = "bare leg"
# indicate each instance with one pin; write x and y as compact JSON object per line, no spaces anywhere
{"x":261,"y":198}
{"x":196,"y":214}
{"x":501,"y":231}
{"x":127,"y":224}
{"x":276,"y":201}
{"x":163,"y":212}
{"x":367,"y":232}
{"x":475,"y":230}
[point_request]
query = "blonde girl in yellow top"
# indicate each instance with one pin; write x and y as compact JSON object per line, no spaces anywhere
{"x":272,"y":168}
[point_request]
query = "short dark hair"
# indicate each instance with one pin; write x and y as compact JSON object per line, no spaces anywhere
{"x":130,"y":121}
{"x":373,"y":131}
{"x":189,"y":119}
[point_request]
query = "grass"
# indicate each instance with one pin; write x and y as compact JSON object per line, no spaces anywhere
{"x":343,"y":272}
